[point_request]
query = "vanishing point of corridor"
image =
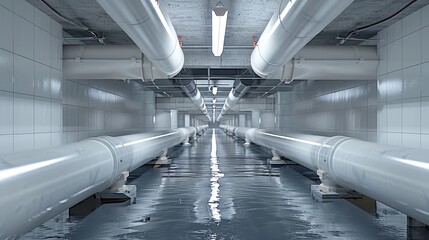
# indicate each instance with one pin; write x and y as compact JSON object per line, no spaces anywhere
{"x":219,"y":189}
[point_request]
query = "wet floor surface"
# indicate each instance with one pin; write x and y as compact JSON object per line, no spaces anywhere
{"x":218,"y":189}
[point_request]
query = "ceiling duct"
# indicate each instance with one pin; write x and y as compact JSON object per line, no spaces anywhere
{"x":289,"y":30}
{"x":189,"y":87}
{"x":234,"y":96}
{"x":151,"y":31}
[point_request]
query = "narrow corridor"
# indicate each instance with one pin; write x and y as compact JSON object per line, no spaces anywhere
{"x":218,"y":189}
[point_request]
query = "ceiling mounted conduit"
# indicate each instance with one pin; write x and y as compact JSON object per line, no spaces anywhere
{"x":150,"y":29}
{"x":289,"y":30}
{"x":189,"y":87}
{"x":235,"y":95}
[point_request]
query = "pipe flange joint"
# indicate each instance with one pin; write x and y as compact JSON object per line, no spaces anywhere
{"x":325,"y":153}
{"x":120,"y":155}
{"x":185,"y":133}
{"x":250,"y":134}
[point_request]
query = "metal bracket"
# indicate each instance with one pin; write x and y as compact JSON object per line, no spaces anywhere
{"x":276,"y":159}
{"x":186,"y":143}
{"x":119,"y":192}
{"x":162,"y":159}
{"x":321,"y":195}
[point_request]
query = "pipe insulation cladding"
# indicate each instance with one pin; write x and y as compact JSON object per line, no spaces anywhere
{"x":395,"y":176}
{"x":234,"y":96}
{"x":192,"y":91}
{"x":38,"y":185}
{"x":108,"y":62}
{"x":150,"y":29}
{"x":290,"y":29}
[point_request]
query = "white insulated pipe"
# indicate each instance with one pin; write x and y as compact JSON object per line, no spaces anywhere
{"x":241,"y":132}
{"x":392,"y":175}
{"x":38,"y":185}
{"x":151,"y":31}
{"x":201,"y":129}
{"x":289,"y":30}
{"x":102,"y":62}
{"x":228,"y":129}
{"x":311,"y":63}
{"x":321,"y":63}
{"x":236,"y":93}
{"x":192,"y":91}
{"x":108,"y":62}
{"x":331,"y":63}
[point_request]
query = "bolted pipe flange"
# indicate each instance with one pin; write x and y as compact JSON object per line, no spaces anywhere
{"x":324,"y":160}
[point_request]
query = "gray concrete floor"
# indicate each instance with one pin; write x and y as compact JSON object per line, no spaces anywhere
{"x":218,"y":189}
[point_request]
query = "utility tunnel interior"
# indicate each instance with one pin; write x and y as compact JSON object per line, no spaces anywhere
{"x":231,"y":119}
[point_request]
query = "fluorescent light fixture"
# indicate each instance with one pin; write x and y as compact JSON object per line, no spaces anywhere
{"x":219,"y":17}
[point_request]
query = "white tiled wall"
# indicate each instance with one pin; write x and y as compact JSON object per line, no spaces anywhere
{"x":40,"y":109}
{"x":403,"y":82}
{"x":330,"y":108}
{"x":30,"y":78}
{"x":105,"y":107}
{"x":392,"y":110}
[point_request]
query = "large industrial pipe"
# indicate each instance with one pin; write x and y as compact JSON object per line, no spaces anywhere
{"x":38,"y":185}
{"x":289,"y":30}
{"x":311,"y":63}
{"x":319,"y":63}
{"x":234,"y":96}
{"x":189,"y":87}
{"x":151,"y":31}
{"x":392,"y":175}
{"x":331,"y":63}
{"x":108,"y":62}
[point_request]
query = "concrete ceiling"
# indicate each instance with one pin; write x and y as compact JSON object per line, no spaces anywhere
{"x":192,"y":20}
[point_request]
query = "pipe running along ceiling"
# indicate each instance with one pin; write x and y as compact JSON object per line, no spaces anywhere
{"x":289,"y":30}
{"x":150,"y":29}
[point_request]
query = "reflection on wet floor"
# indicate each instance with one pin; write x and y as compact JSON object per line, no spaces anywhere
{"x":218,"y":189}
{"x":216,"y":174}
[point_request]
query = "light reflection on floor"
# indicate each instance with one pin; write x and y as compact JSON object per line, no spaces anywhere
{"x":216,"y":174}
{"x":218,"y":189}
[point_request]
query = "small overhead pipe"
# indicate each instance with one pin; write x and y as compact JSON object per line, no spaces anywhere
{"x":40,"y":184}
{"x":150,"y":29}
{"x":392,"y":175}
